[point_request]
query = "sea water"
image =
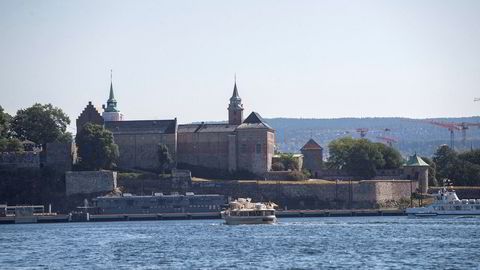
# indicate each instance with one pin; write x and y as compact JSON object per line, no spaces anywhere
{"x":303,"y":243}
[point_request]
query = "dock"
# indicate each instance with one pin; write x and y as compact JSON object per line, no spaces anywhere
{"x":85,"y":217}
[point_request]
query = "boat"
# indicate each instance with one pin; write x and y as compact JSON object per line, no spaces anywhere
{"x":244,"y":211}
{"x":447,"y":203}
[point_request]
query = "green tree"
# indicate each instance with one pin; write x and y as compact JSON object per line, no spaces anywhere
{"x":10,"y":145}
{"x":5,"y":119}
{"x":96,"y":148}
{"x":164,"y":158}
{"x":363,"y":159}
{"x":446,"y":160}
{"x":289,"y":161}
{"x":339,"y":151}
{"x":40,"y":123}
{"x":392,"y":158}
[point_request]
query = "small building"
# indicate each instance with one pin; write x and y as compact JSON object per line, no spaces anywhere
{"x":312,"y":157}
{"x":417,"y":169}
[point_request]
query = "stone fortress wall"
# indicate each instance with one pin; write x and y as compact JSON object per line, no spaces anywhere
{"x":86,"y":182}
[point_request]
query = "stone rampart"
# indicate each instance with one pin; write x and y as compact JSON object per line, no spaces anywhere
{"x":338,"y":194}
{"x":85,"y":182}
{"x":19,"y":160}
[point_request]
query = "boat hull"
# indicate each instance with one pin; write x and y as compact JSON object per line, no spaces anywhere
{"x":427,"y":212}
{"x":238,"y":220}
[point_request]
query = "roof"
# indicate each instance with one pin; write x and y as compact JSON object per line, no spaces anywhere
{"x":197,"y":128}
{"x":147,"y":126}
{"x":311,"y":145}
{"x":416,"y":161}
{"x":254,"y":120}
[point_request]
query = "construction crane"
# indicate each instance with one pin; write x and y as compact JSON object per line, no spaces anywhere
{"x":463,"y":127}
{"x":452,"y":127}
{"x":388,"y":140}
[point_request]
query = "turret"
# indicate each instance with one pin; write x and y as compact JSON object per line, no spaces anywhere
{"x":235,"y":108}
{"x":111,"y":112}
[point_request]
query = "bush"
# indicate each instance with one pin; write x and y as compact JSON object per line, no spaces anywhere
{"x":278,"y":166}
{"x":297,"y":176}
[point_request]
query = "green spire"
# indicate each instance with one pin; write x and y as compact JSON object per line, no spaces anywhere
{"x":111,"y":102}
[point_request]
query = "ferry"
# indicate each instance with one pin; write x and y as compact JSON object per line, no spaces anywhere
{"x":243,"y":211}
{"x":446,"y":203}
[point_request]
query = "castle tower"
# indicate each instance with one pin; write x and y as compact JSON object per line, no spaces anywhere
{"x":111,"y":113}
{"x":235,"y":108}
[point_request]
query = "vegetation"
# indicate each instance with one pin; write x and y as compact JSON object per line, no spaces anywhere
{"x":463,"y":169}
{"x":96,"y":148}
{"x":7,"y":143}
{"x":361,"y":157}
{"x":40,"y":124}
{"x":286,"y":161}
{"x":164,"y":159}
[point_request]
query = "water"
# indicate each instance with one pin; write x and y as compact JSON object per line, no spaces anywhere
{"x":309,"y":243}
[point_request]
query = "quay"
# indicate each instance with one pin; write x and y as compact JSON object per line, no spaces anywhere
{"x":86,"y":217}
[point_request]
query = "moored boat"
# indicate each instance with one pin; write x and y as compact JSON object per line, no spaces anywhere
{"x":243,"y":211}
{"x":447,"y":203}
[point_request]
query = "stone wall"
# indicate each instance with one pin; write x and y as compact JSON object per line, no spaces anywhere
{"x":340,"y":194}
{"x":140,"y":150}
{"x":60,"y":155}
{"x":255,"y":150}
{"x":19,"y":160}
{"x":85,"y":182}
{"x":206,"y":149}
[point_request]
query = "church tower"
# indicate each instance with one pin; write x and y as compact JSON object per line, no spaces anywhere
{"x":111,"y":113}
{"x":235,"y":108}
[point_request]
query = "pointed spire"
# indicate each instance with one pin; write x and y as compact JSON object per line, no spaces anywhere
{"x":235,"y":90}
{"x":111,"y":96}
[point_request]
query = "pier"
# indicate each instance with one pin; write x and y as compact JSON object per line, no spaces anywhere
{"x":86,"y":217}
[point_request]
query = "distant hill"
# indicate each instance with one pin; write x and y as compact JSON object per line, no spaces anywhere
{"x":412,"y":135}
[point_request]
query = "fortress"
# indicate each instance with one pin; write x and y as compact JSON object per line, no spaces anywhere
{"x":238,"y":145}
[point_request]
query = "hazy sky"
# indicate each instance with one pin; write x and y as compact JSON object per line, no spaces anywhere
{"x":310,"y":59}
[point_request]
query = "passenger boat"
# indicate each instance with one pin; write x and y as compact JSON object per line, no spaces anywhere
{"x":446,"y":203}
{"x":243,"y":211}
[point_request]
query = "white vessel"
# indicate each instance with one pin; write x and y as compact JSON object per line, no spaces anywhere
{"x":446,"y":203}
{"x":243,"y":211}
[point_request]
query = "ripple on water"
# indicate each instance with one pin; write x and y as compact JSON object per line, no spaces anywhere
{"x":310,"y":243}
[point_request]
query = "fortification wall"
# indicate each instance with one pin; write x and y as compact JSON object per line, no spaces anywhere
{"x":207,"y":149}
{"x":60,"y":155}
{"x":343,"y":194}
{"x":140,"y":150}
{"x":85,"y":182}
{"x":11,"y":160}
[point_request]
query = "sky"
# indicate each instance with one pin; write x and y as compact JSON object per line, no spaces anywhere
{"x":299,"y":59}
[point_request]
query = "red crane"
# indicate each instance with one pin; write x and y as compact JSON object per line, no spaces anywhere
{"x":450,"y":126}
{"x":463,"y":127}
{"x":388,"y":140}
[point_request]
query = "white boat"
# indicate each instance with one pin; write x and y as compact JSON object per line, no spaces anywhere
{"x":446,"y":203}
{"x":243,"y":211}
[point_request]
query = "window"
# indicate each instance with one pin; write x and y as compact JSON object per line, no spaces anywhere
{"x":258,"y":148}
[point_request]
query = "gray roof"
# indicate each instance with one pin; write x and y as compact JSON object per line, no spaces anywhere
{"x":254,"y":120}
{"x":146,"y":126}
{"x":196,"y":128}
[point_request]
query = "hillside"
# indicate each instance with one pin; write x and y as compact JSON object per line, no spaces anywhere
{"x":412,"y":135}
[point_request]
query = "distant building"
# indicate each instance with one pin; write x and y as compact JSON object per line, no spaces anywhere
{"x":312,"y":157}
{"x":237,"y":145}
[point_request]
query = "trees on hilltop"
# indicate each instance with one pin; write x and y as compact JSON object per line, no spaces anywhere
{"x":361,"y":157}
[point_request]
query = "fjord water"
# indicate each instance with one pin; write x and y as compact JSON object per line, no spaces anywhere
{"x":308,"y":243}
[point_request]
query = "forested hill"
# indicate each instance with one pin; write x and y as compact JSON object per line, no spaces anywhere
{"x":412,"y":135}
